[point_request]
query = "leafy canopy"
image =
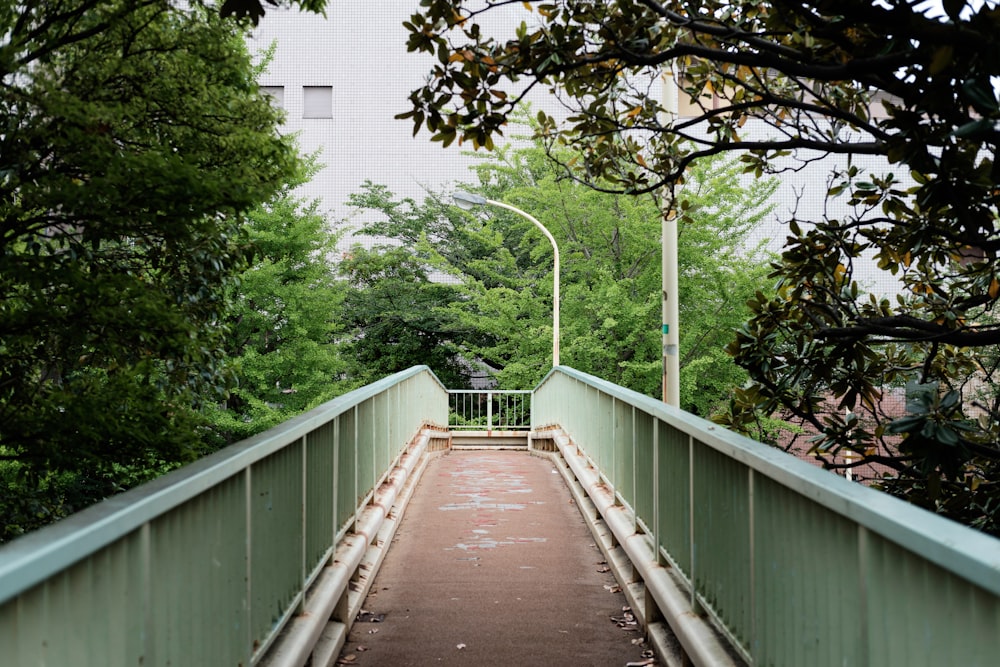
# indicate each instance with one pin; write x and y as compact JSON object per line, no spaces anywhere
{"x":395,"y":315}
{"x":785,"y":83}
{"x":134,"y":140}
{"x":284,"y":321}
{"x":495,"y":305}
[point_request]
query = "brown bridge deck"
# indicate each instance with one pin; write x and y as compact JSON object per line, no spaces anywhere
{"x":492,"y":564}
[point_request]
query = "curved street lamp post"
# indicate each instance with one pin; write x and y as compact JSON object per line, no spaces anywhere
{"x":467,"y":201}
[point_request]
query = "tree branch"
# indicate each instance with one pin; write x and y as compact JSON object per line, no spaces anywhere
{"x":913,"y":329}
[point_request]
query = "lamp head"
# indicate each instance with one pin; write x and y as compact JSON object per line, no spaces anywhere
{"x":467,"y":201}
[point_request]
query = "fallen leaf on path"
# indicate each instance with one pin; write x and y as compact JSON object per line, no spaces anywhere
{"x":627,"y":620}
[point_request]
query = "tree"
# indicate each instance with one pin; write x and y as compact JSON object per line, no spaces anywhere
{"x":611,"y":277}
{"x":285,"y":322}
{"x":493,"y":311}
{"x":785,"y":83}
{"x":134,"y":140}
{"x":396,"y":317}
{"x":499,"y":309}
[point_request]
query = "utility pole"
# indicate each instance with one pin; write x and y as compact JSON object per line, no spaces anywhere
{"x":670,"y":330}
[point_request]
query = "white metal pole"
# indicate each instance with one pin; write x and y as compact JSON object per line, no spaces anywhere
{"x":671,"y":317}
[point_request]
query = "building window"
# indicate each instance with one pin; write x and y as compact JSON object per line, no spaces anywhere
{"x":317,"y":102}
{"x":276,"y":93}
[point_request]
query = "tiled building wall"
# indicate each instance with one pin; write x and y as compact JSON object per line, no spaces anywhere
{"x":356,"y":58}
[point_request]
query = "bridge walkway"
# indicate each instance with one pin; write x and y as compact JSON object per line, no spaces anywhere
{"x":492,"y":564}
{"x":272,"y":552}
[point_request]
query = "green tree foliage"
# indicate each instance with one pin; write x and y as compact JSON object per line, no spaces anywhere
{"x":134,"y":138}
{"x":495,"y":311}
{"x":785,"y":83}
{"x":285,"y":321}
{"x":395,"y":318}
{"x":611,"y":278}
{"x":398,"y":316}
{"x":499,"y":308}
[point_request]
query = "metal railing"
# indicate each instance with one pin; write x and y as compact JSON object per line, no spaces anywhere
{"x":207,"y":564}
{"x":489,"y":410}
{"x":796,"y":565}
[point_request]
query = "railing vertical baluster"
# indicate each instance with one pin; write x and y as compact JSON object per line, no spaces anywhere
{"x":336,"y":476}
{"x":148,"y":620}
{"x":303,"y":514}
{"x":692,"y":492}
{"x":489,"y":409}
{"x":248,"y":499}
{"x":752,"y":584}
{"x":657,"y":530}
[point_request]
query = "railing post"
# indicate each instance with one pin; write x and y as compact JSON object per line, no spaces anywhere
{"x":692,"y":533}
{"x":336,"y":475}
{"x":864,"y":572}
{"x":489,"y":410}
{"x":248,"y":517}
{"x":657,"y":517}
{"x":357,"y":482}
{"x":751,"y":518}
{"x":303,"y":519}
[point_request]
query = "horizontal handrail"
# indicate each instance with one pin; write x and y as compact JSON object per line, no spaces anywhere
{"x":235,"y":538}
{"x":796,"y":564}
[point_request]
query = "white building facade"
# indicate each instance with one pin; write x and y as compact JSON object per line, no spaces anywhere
{"x":341,"y":79}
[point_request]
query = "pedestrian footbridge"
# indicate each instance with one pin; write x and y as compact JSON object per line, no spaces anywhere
{"x":724,"y":551}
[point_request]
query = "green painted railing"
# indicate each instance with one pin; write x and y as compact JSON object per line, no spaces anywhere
{"x":797,"y":566}
{"x":489,"y":409}
{"x":205,"y":565}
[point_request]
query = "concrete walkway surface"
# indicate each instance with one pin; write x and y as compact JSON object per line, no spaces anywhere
{"x":492,"y":564}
